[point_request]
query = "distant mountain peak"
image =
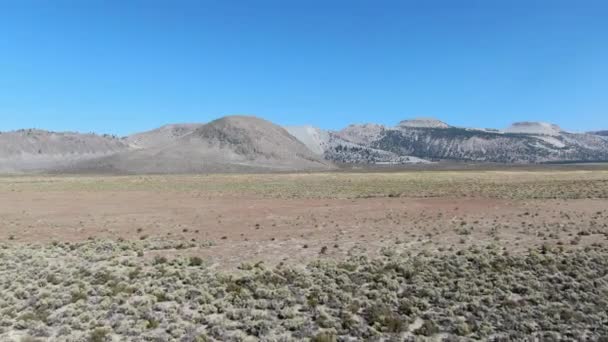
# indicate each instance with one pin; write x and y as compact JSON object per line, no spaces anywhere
{"x":361,"y":133}
{"x":534,"y":127}
{"x":423,"y":123}
{"x":367,"y":125}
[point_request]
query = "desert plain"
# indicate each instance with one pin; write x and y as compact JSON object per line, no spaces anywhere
{"x":494,"y":254}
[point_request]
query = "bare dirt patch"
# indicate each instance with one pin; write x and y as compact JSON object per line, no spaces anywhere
{"x":295,"y":218}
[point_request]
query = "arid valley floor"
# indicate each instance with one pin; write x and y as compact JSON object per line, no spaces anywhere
{"x":415,"y":255}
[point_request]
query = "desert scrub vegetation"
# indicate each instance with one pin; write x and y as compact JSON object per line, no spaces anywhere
{"x":103,"y":291}
{"x":518,"y":184}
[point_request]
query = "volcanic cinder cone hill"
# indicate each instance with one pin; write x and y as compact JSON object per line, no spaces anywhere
{"x":229,"y":144}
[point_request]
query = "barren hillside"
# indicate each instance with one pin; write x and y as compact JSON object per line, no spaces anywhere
{"x":38,"y":150}
{"x":229,"y":144}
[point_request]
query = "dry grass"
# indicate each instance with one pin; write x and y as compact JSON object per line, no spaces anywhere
{"x":491,"y":184}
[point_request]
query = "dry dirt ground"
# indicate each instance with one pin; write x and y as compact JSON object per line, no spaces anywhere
{"x":293,"y":218}
{"x":460,"y":255}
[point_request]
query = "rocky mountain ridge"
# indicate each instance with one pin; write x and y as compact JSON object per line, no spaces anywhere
{"x":427,"y":139}
{"x":250,"y":144}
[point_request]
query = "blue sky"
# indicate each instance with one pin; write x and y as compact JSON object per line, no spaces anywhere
{"x":125,"y":66}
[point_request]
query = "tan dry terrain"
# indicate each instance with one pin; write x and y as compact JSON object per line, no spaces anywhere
{"x":410,"y":256}
{"x":298,"y":217}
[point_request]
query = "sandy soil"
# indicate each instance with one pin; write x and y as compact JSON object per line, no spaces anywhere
{"x":254,"y":228}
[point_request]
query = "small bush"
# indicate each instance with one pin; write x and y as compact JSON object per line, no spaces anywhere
{"x":99,"y":335}
{"x":78,"y":295}
{"x":428,"y":328}
{"x":152,"y":323}
{"x":159,"y":260}
{"x":325,"y":337}
{"x":196,"y":261}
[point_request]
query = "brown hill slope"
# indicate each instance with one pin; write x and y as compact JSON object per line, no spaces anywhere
{"x":229,"y":144}
{"x":30,"y":150}
{"x":164,"y":135}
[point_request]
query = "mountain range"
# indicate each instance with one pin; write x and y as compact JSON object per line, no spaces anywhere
{"x":427,"y":139}
{"x":250,"y":144}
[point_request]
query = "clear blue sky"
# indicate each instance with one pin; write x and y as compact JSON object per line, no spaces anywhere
{"x":126,"y":66}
